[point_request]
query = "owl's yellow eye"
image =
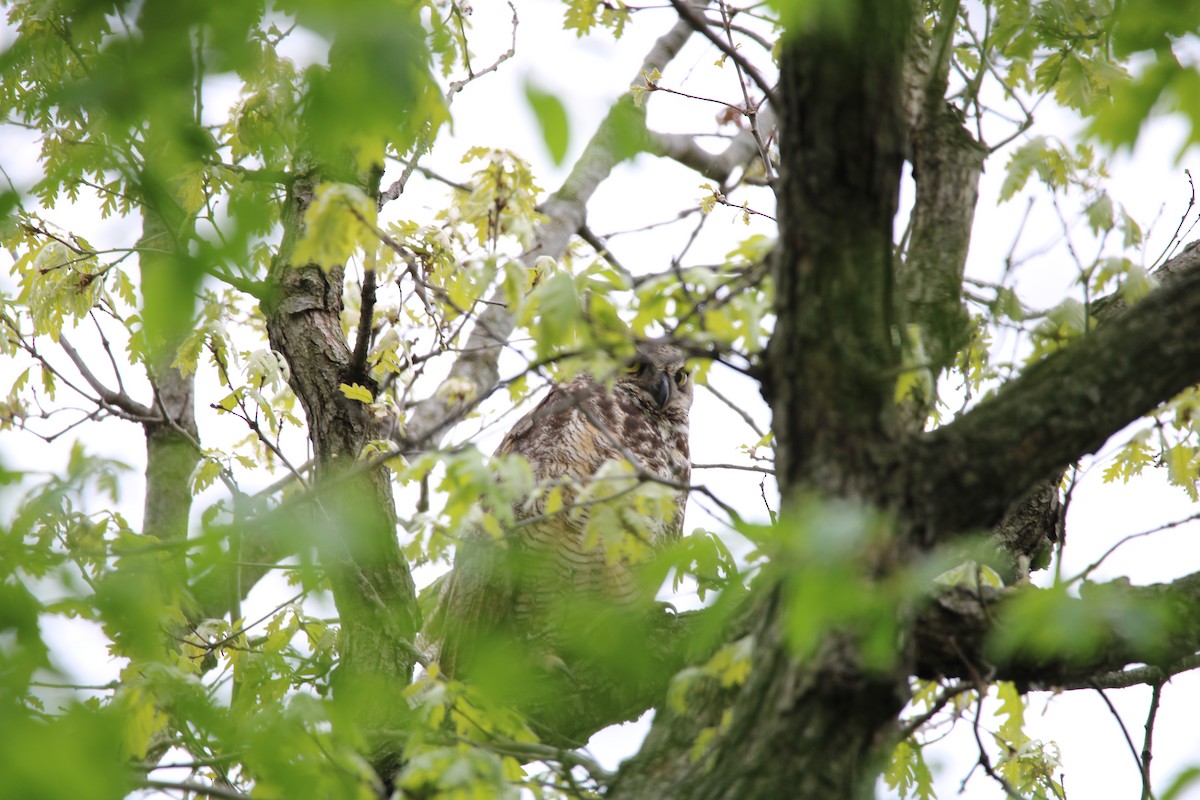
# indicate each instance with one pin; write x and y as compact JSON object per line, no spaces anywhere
{"x":681,"y":378}
{"x":636,"y":368}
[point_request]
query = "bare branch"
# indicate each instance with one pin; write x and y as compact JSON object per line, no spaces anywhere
{"x":986,"y":762}
{"x":737,"y":409}
{"x":719,"y":167}
{"x":197,"y":789}
{"x":397,"y":187}
{"x":117,"y":399}
{"x":1147,"y":743}
{"x":694,"y":18}
{"x":366,"y":321}
{"x":913,"y":724}
{"x":1125,"y":733}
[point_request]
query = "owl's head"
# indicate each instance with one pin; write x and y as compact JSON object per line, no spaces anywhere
{"x":658,"y":378}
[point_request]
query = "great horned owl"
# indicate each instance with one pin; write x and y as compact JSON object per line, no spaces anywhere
{"x":520,"y":602}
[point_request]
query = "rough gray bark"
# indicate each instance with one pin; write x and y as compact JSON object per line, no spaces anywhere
{"x":946,"y":165}
{"x":354,"y":523}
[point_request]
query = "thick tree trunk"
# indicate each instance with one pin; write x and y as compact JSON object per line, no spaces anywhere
{"x":797,"y":728}
{"x":353,"y":524}
{"x":831,"y":366}
{"x":816,"y":726}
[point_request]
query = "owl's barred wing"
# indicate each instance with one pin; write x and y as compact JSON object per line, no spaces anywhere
{"x":570,"y":568}
{"x":475,"y":604}
{"x":554,"y":433}
{"x":475,"y":618}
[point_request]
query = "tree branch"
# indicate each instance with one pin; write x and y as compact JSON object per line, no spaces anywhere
{"x":952,"y":634}
{"x":366,"y":322}
{"x":685,"y":149}
{"x":193,"y":788}
{"x":965,"y":474}
{"x":564,"y":211}
{"x":115,"y":399}
{"x":692,"y":17}
{"x":946,"y":163}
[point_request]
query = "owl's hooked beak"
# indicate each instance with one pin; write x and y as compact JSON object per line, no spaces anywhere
{"x":662,"y":392}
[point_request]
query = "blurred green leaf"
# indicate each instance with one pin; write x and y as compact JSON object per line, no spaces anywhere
{"x":627,"y":121}
{"x":1050,"y":623}
{"x":1150,"y":24}
{"x":34,"y":754}
{"x":551,"y":116}
{"x":1182,"y":781}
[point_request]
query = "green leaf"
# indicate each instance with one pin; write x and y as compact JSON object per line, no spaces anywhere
{"x":338,"y":219}
{"x":229,"y":402}
{"x":357,"y":392}
{"x":1147,"y":24}
{"x":1134,"y":457}
{"x":908,"y":773}
{"x":205,"y":473}
{"x":1183,"y":470}
{"x":1119,"y":122}
{"x":559,"y":311}
{"x":1182,"y":781}
{"x":377,"y":87}
{"x":1100,"y":214}
{"x":33,"y":752}
{"x":552,"y":119}
{"x":1012,"y":708}
{"x":1021,"y":165}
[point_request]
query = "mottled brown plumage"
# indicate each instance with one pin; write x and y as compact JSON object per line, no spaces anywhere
{"x":550,"y":576}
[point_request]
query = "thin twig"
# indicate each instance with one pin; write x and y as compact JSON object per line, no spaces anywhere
{"x":692,"y":17}
{"x":1147,"y":743}
{"x":597,"y":244}
{"x":426,"y":140}
{"x":1124,"y":732}
{"x":751,"y":109}
{"x":986,"y":762}
{"x":199,"y":789}
{"x":742,"y":467}
{"x":762,"y":490}
{"x":947,"y":694}
{"x":1125,"y":539}
{"x":1174,"y":240}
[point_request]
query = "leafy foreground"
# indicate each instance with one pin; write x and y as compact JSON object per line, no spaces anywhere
{"x":243,"y":241}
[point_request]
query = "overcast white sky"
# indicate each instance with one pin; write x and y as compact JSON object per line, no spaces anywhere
{"x":587,"y":75}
